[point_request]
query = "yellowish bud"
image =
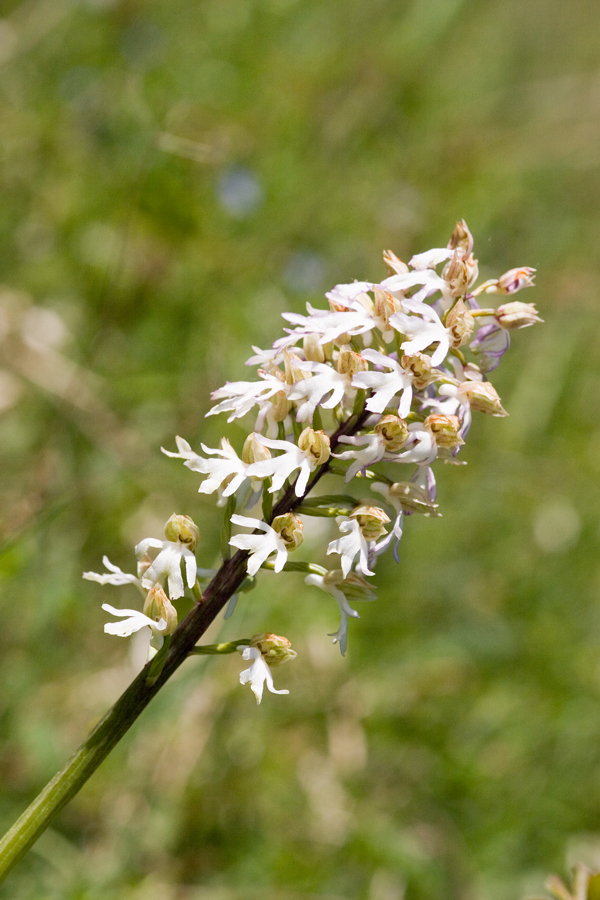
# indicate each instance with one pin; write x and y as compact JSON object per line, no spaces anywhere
{"x":420,"y":367}
{"x":293,"y":372}
{"x":158,"y":606}
{"x":461,"y":239}
{"x":281,"y":406}
{"x":385,"y":306}
{"x":349,"y":363}
{"x":354,"y":586}
{"x":445,"y":430}
{"x":275,"y":650}
{"x":483,"y":397}
{"x":313,"y":350}
{"x":290,"y":529}
{"x":394,"y":432}
{"x":183,"y":530}
{"x":517,"y":315}
{"x":316,"y":443}
{"x":460,"y":324}
{"x":372,"y":521}
{"x":414,"y":498}
{"x":457,"y":275}
{"x":515,"y":279}
{"x":253,"y":450}
{"x":394,"y":265}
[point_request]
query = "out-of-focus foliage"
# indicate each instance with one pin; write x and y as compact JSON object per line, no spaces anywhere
{"x":174,"y":174}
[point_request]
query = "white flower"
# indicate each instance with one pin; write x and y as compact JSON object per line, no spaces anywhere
{"x":135,"y":621}
{"x":273,"y":356}
{"x":117,"y":576}
{"x":279,"y":468}
{"x":327,"y":380}
{"x":421,"y":447}
{"x":330,"y":325}
{"x":168,"y":563}
{"x":422,"y":329}
{"x":258,"y":673}
{"x":351,"y":545}
{"x":430,"y":259}
{"x":430,"y":281}
{"x":385,"y":385}
{"x":261,"y":546}
{"x":371,"y":453}
{"x":337,"y":586}
{"x":228,"y":468}
{"x":241,"y":396}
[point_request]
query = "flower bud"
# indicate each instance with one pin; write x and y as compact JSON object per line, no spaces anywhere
{"x":460,"y":324}
{"x":157,"y":606}
{"x":483,"y":397}
{"x":385,"y":306}
{"x":394,"y":265}
{"x":461,"y":240}
{"x":313,"y":350}
{"x":289,"y":528}
{"x":349,"y":363}
{"x":275,"y":650}
{"x":419,"y":366}
{"x":353,"y":586}
{"x":515,"y":279}
{"x":445,"y":430}
{"x":294,"y":372}
{"x":372,"y":521}
{"x":281,"y":406}
{"x":316,"y":443}
{"x":456,"y":274}
{"x":182,"y":530}
{"x":517,"y":315}
{"x":414,"y":498}
{"x":394,"y":432}
{"x":253,"y":450}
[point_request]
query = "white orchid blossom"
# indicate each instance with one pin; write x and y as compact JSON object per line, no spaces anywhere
{"x":309,"y":393}
{"x":241,"y":396}
{"x":422,"y":330}
{"x":168,"y":565}
{"x":280,"y":468}
{"x":351,"y":545}
{"x":261,"y":546}
{"x":116,"y":576}
{"x":372,"y":452}
{"x":228,"y":469}
{"x":338,"y":588}
{"x":258,"y":674}
{"x":385,"y":385}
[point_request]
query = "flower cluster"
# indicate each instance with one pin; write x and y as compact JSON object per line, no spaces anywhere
{"x":374,"y":389}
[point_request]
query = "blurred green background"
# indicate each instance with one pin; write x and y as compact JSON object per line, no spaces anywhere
{"x":174,"y":175}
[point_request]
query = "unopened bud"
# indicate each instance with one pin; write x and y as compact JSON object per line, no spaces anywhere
{"x":460,"y":324}
{"x":445,"y":430}
{"x":517,"y":315}
{"x":289,"y":528}
{"x":158,"y":606}
{"x":275,"y":650}
{"x":182,"y":530}
{"x":385,"y":306}
{"x":316,"y":443}
{"x":456,"y":274}
{"x":313,"y":350}
{"x":394,"y":265}
{"x":420,"y":367}
{"x":461,"y":239}
{"x":394,"y":432}
{"x":414,"y":498}
{"x":515,"y":279}
{"x":483,"y":397}
{"x":349,"y":363}
{"x":281,"y":406}
{"x":253,"y":450}
{"x":354,"y":586}
{"x":372,"y":521}
{"x":293,"y":371}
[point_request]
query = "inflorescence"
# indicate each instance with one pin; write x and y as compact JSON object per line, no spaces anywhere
{"x":387,"y":376}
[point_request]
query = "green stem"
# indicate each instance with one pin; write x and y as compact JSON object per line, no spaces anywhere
{"x":119,"y":719}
